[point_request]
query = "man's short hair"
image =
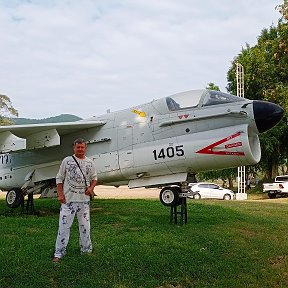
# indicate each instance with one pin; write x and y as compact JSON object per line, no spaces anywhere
{"x":79,"y":141}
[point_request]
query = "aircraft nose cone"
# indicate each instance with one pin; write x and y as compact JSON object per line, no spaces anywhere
{"x":266,"y":114}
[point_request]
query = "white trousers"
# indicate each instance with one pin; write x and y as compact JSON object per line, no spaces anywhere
{"x":66,"y":218}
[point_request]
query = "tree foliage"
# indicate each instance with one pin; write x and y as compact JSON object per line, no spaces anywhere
{"x":266,"y":78}
{"x":212,"y":86}
{"x":226,"y":175}
{"x":6,"y":110}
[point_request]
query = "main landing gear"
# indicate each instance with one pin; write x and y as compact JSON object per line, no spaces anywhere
{"x":16,"y":197}
{"x":173,"y":197}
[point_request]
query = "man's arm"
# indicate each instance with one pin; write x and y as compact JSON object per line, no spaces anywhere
{"x":59,"y":182}
{"x":90,"y":189}
{"x":60,"y":193}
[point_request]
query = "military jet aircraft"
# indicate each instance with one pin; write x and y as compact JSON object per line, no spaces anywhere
{"x":162,"y":143}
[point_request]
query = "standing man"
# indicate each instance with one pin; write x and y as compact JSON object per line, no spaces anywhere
{"x":75,"y":181}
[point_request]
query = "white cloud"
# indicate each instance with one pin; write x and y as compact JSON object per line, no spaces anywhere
{"x":83,"y":57}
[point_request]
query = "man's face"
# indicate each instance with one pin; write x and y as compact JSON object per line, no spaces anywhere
{"x":80,"y":150}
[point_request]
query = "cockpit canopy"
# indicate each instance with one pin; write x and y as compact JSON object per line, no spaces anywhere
{"x":198,"y":98}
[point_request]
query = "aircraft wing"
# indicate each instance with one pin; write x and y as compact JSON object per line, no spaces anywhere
{"x":18,"y":137}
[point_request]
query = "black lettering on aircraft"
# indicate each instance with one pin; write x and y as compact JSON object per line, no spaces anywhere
{"x":169,"y":152}
{"x":4,"y":159}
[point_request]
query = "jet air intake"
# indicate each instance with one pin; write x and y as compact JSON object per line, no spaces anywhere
{"x":266,"y":115}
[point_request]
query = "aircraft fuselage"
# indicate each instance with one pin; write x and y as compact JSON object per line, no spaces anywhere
{"x":157,"y":143}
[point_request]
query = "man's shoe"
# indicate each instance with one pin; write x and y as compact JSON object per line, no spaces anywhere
{"x":56,"y":259}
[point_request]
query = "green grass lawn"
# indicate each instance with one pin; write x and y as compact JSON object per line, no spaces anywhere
{"x":224,"y":244}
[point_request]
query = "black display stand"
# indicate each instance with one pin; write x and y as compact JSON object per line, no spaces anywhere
{"x":182,"y":213}
{"x":30,"y":209}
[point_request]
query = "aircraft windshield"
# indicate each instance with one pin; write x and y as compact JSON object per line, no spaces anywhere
{"x":216,"y":97}
{"x":192,"y":98}
{"x":184,"y":100}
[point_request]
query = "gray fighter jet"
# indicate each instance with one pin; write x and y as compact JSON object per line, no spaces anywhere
{"x":162,"y":143}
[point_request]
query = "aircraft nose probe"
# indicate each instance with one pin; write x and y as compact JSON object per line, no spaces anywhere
{"x":266,"y":114}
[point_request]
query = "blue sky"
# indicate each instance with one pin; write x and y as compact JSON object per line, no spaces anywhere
{"x":84,"y":57}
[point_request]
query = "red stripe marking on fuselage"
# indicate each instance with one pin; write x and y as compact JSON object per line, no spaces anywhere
{"x":209,"y":149}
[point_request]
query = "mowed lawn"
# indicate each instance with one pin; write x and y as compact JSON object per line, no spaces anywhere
{"x":224,"y":244}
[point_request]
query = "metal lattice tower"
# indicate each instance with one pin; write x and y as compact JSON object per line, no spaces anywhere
{"x":240,"y":93}
{"x":240,"y":80}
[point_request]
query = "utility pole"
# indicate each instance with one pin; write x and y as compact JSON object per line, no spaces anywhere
{"x":241,"y":181}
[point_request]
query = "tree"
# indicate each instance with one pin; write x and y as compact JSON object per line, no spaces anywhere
{"x":266,"y":78}
{"x":212,"y":86}
{"x":6,"y":110}
{"x":283,"y":9}
{"x":226,"y":175}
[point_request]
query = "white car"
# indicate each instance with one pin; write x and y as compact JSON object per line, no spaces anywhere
{"x":204,"y":190}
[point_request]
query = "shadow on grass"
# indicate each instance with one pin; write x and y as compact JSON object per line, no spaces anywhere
{"x":43,"y":207}
{"x":151,"y":210}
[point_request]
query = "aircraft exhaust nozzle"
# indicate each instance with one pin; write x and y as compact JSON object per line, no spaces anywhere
{"x":266,"y":115}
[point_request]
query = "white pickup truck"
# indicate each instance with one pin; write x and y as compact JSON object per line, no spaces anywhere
{"x":279,"y":187}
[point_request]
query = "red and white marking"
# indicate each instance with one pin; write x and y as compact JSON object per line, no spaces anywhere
{"x":209,"y":149}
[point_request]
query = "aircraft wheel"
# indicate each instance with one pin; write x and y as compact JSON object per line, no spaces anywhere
{"x":14,"y":197}
{"x":169,"y":196}
{"x":197,"y":196}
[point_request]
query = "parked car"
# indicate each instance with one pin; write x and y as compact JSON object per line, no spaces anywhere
{"x":204,"y":190}
{"x":278,"y":188}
